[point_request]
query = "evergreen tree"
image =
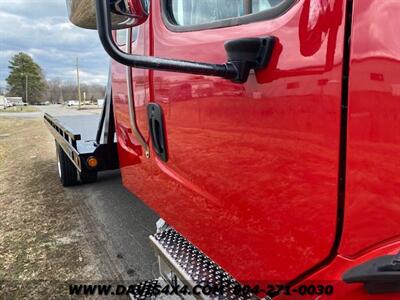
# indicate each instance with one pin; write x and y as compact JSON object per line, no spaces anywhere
{"x":25,"y":74}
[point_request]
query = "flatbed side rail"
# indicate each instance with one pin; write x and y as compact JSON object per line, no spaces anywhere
{"x":65,"y":132}
{"x":65,"y":138}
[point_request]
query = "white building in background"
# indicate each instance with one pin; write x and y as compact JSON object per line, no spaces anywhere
{"x":2,"y":102}
{"x":10,"y":101}
{"x":100,"y":103}
{"x":14,"y":101}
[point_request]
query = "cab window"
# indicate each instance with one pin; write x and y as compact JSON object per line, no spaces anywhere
{"x":121,"y":36}
{"x":195,"y":12}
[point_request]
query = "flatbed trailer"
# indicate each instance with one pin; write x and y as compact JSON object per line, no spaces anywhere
{"x":85,"y":144}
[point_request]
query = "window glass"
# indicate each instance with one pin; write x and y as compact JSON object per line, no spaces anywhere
{"x":121,"y":36}
{"x":196,"y":12}
{"x":135,"y":33}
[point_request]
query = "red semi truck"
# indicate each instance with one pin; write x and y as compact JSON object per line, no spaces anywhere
{"x":266,"y":134}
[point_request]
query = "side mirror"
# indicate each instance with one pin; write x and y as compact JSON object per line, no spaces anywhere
{"x":124,"y":13}
{"x":244,"y":55}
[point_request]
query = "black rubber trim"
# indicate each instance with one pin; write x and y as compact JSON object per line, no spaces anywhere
{"x":171,"y":24}
{"x":344,"y":125}
{"x":342,"y":148}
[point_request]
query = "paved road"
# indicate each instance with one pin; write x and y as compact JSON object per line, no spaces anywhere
{"x":61,"y":110}
{"x":124,"y":223}
{"x":54,"y":109}
{"x":121,"y":220}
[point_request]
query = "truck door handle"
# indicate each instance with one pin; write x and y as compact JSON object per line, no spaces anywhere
{"x":380,"y":275}
{"x":157,"y":130}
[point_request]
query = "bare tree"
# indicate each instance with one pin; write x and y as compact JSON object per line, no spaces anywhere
{"x":68,"y":91}
{"x":54,"y":91}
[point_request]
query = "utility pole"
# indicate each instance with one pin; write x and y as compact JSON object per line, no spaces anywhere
{"x":26,"y":89}
{"x":79,"y":85}
{"x":61,"y":95}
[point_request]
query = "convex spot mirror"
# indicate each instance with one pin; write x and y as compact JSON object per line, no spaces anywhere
{"x":124,"y":13}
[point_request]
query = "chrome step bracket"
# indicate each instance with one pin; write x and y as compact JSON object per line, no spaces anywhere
{"x":193,"y":267}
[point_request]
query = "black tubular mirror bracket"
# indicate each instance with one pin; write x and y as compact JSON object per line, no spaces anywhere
{"x":243,"y":54}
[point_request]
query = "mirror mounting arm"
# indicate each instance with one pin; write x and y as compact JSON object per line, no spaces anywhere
{"x":243,"y":54}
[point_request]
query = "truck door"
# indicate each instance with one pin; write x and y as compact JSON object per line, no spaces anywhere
{"x":252,"y":171}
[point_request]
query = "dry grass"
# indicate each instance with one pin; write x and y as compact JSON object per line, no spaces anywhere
{"x":44,"y":238}
{"x":19,"y":109}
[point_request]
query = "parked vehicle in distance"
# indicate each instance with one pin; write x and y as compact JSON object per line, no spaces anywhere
{"x":20,"y":104}
{"x":270,"y":149}
{"x":72,"y":103}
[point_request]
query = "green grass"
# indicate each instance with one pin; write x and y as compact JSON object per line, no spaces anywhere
{"x":19,"y":109}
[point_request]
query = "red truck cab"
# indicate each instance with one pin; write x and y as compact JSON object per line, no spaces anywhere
{"x":291,"y":177}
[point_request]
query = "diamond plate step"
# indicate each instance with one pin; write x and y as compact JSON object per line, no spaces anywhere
{"x":192,"y":266}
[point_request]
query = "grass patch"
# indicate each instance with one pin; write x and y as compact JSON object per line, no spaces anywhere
{"x":19,"y":109}
{"x":45,"y":241}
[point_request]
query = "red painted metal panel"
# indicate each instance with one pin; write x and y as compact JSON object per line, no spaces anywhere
{"x":372,"y":212}
{"x":252,"y":174}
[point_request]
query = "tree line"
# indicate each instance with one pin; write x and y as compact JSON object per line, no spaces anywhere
{"x":27,"y":80}
{"x":58,"y":91}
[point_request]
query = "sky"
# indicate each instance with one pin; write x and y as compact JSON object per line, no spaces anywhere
{"x":41,"y":29}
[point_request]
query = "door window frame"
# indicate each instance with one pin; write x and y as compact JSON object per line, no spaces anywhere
{"x":274,"y":12}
